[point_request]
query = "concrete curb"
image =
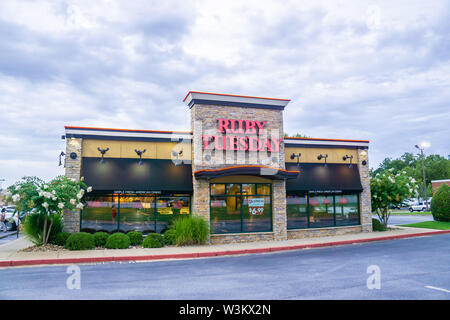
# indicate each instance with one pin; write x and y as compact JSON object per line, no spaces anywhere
{"x":17,"y":263}
{"x":7,"y":234}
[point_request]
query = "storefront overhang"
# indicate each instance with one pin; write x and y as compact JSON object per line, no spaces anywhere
{"x":151,"y":175}
{"x":250,"y":170}
{"x":317,"y":177}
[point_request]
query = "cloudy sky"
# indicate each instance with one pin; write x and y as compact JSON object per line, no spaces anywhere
{"x":376,"y":70}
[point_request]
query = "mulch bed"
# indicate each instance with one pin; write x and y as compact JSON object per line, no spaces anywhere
{"x":52,"y":247}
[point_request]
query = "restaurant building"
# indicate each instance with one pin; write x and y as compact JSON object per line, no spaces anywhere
{"x":235,"y":169}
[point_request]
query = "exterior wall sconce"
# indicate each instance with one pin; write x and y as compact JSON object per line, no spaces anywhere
{"x":102,"y":151}
{"x":177,"y":154}
{"x":139,"y":153}
{"x":72,"y":156}
{"x":62,"y":154}
{"x":348,"y":157}
{"x":293,"y":156}
{"x":321,"y":156}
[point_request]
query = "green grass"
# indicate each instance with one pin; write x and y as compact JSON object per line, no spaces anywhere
{"x":407,"y":213}
{"x":430,"y":225}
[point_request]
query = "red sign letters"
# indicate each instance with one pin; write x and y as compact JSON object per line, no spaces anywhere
{"x":248,"y":140}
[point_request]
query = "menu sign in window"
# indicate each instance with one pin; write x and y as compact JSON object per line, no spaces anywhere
{"x":256,"y":206}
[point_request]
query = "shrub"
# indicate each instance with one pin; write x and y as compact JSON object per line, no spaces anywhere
{"x":80,"y":241}
{"x":377,"y":226}
{"x":89,"y":230}
{"x":118,"y":240}
{"x":60,"y":239}
{"x":190,"y":230}
{"x":153,"y":240}
{"x":169,"y":237}
{"x":440,"y":204}
{"x":100,"y":238}
{"x":135,"y":238}
{"x":33,"y":226}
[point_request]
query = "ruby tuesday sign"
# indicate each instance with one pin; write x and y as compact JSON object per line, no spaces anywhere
{"x":241,"y":135}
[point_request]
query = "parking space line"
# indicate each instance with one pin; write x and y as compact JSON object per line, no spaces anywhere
{"x":436,"y":288}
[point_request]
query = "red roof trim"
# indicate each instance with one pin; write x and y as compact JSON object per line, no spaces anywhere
{"x":234,"y":95}
{"x":126,"y":130}
{"x":324,"y":139}
{"x":248,"y":166}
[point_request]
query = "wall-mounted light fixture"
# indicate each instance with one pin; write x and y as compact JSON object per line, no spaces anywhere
{"x":102,"y":151}
{"x":62,"y":154}
{"x":293,"y":156}
{"x":348,"y":157}
{"x":177,"y":154}
{"x":321,"y":156}
{"x":139,"y":153}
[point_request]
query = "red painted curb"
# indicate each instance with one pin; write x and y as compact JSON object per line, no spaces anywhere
{"x":16,"y":263}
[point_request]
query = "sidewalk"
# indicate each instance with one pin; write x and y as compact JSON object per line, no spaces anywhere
{"x":11,"y":257}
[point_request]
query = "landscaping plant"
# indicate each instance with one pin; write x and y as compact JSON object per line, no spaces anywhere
{"x":377,"y":226}
{"x":136,"y":237}
{"x":390,"y":189}
{"x":440,"y":204}
{"x":100,"y":239}
{"x":60,"y":238}
{"x":169,"y":237}
{"x":190,"y":230}
{"x":153,"y":240}
{"x":48,"y":200}
{"x":118,"y":240}
{"x":80,"y":241}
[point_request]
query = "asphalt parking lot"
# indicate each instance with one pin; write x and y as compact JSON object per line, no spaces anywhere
{"x":414,"y":268}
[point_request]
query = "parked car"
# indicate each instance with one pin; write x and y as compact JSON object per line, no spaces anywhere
{"x":420,"y":206}
{"x":409,"y":202}
{"x":12,"y":219}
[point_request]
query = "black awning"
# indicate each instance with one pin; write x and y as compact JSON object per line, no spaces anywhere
{"x":315,"y":176}
{"x":127,"y":174}
{"x":251,"y":170}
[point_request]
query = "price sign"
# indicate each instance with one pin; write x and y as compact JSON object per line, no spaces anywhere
{"x":256,"y":206}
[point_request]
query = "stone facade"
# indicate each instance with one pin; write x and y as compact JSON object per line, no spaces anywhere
{"x":365,"y":204}
{"x":241,"y":237}
{"x":322,"y":232}
{"x":204,"y":121}
{"x":73,"y":171}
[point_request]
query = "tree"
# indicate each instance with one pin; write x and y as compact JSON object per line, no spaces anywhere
{"x":297,"y":135}
{"x":31,"y":194}
{"x":436,"y":168}
{"x":389,"y":189}
{"x":440,"y":204}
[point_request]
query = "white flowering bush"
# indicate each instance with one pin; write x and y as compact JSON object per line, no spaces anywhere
{"x":388,"y":189}
{"x":31,"y":194}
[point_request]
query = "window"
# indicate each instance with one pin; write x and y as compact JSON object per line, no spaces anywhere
{"x":127,"y":212}
{"x":137,"y":213}
{"x":100,"y":213}
{"x":241,"y":208}
{"x":321,"y":211}
{"x":347,"y":209}
{"x":316,"y":210}
{"x":297,"y":211}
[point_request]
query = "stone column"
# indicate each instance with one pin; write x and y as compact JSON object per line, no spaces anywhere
{"x":73,"y":171}
{"x":279,"y":210}
{"x":200,"y":200}
{"x":364,"y":200}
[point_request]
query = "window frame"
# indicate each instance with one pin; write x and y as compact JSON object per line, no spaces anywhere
{"x":155,"y":196}
{"x":334,"y":194}
{"x":241,"y":196}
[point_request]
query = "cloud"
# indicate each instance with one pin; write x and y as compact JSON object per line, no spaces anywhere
{"x":356,"y":70}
